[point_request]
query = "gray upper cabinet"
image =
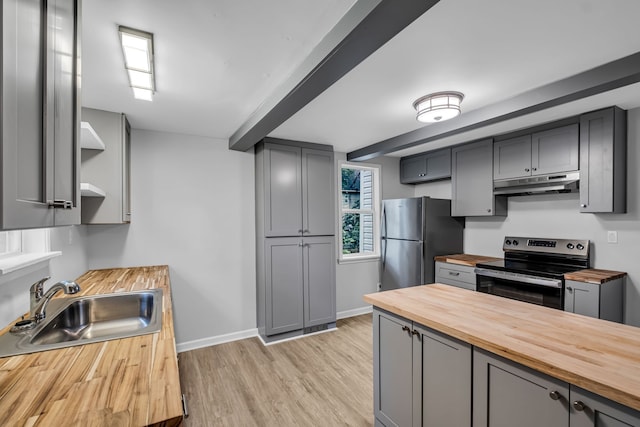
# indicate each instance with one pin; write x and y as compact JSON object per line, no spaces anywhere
{"x":507,"y":394}
{"x":472,"y":181}
{"x":603,"y":167}
{"x":541,"y":153}
{"x":40,"y":114}
{"x":426,"y":167}
{"x":108,"y":169}
{"x":512,"y":157}
{"x":318,"y":193}
{"x":299,"y":191}
{"x":555,"y":150}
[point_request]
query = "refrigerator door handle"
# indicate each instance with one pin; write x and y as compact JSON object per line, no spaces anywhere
{"x":383,"y":237}
{"x":384,"y":252}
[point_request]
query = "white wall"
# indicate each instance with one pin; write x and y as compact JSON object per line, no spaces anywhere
{"x":14,"y":287}
{"x":557,"y":215}
{"x":355,"y":279}
{"x":193,"y":208}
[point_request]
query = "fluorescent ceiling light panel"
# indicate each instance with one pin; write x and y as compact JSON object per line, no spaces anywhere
{"x":137,"y":48}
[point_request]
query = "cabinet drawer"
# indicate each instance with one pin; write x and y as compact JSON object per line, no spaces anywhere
{"x":456,"y":275}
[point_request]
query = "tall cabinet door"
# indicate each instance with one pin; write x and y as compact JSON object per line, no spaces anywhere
{"x":392,"y":370}
{"x":284,"y":291}
{"x":318,"y":195}
{"x":442,"y":379}
{"x":319,"y":281}
{"x":283,"y":190}
{"x":472,"y":181}
{"x":27,"y":162}
{"x":64,"y":108}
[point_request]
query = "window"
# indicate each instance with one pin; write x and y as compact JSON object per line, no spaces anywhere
{"x":359,"y":206}
{"x":23,"y":248}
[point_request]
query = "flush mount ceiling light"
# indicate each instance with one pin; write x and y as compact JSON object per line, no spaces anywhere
{"x":438,"y":106}
{"x":137,"y":48}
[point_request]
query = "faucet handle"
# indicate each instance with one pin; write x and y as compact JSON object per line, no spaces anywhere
{"x":37,"y":288}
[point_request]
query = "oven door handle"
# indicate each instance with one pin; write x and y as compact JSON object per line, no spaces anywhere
{"x":516,"y":277}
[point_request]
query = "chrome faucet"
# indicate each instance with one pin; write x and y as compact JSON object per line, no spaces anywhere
{"x":39,"y":299}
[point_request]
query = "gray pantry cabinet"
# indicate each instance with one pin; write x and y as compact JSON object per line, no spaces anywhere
{"x":109,"y":169}
{"x":462,"y":276}
{"x":40,"y":113}
{"x":425,"y":167}
{"x":421,"y":377}
{"x":602,"y":301}
{"x":603,"y":162}
{"x":541,"y":153}
{"x":472,"y":181}
{"x":295,"y":227}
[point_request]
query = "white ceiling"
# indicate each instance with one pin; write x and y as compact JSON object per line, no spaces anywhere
{"x":217,"y":61}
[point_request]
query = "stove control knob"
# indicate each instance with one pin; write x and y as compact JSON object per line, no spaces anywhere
{"x":570,"y":246}
{"x":507,"y":242}
{"x":580,"y":246}
{"x":515,"y":243}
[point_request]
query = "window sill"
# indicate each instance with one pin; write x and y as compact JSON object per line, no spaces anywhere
{"x":370,"y":258}
{"x":19,"y":262}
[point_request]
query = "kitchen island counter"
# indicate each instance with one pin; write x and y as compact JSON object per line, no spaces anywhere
{"x":131,"y":381}
{"x":600,"y":356}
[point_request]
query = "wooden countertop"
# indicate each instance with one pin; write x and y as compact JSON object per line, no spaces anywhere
{"x":465,"y":259}
{"x":594,"y":276}
{"x":129,"y":382}
{"x":600,"y":356}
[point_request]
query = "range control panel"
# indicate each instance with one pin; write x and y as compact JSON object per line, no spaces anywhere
{"x":543,"y":245}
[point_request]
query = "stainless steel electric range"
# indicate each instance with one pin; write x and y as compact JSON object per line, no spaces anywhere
{"x":533,"y":269}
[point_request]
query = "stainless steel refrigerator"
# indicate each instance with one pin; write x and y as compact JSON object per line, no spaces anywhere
{"x":414,"y":231}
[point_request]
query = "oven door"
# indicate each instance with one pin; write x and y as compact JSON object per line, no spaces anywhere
{"x":533,"y":289}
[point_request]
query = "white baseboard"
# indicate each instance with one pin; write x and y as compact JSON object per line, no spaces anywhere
{"x":354,"y":312}
{"x":219,"y":339}
{"x":249,"y":333}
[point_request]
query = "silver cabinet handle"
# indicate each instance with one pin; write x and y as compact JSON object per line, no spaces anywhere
{"x":554,"y":395}
{"x":579,"y":406}
{"x":416,"y":333}
{"x":526,"y":169}
{"x":454,"y":273}
{"x":569,"y":289}
{"x":60,"y":204}
{"x":406,"y":329}
{"x":584,"y":205}
{"x":534,"y":169}
{"x":489,"y":210}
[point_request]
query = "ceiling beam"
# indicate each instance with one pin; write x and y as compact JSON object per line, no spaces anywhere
{"x":367,"y":26}
{"x":613,"y":75}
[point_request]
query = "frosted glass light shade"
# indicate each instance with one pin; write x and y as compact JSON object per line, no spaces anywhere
{"x":438,"y":106}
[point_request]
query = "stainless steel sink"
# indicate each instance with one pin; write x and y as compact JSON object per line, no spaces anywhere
{"x":84,"y":320}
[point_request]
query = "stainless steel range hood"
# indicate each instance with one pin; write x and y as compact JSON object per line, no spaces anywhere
{"x":554,"y":183}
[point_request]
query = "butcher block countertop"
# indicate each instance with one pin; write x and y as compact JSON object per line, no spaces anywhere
{"x":595,"y":276}
{"x":597,"y":355}
{"x":126,"y":382}
{"x":465,"y":259}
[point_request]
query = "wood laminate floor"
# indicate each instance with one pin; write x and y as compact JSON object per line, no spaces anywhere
{"x":320,"y":380}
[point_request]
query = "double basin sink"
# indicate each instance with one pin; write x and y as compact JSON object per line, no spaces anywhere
{"x":89,"y":319}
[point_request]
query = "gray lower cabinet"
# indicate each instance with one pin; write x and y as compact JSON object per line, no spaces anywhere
{"x":603,"y":161}
{"x":299,"y":287}
{"x":40,"y":113}
{"x":472,"y":181}
{"x":506,"y":394}
{"x":590,"y":410}
{"x":426,"y":167}
{"x":461,"y":276}
{"x":602,"y":301}
{"x":421,"y":377}
{"x":108,"y":169}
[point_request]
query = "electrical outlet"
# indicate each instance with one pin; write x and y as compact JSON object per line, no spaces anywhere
{"x":612,"y":237}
